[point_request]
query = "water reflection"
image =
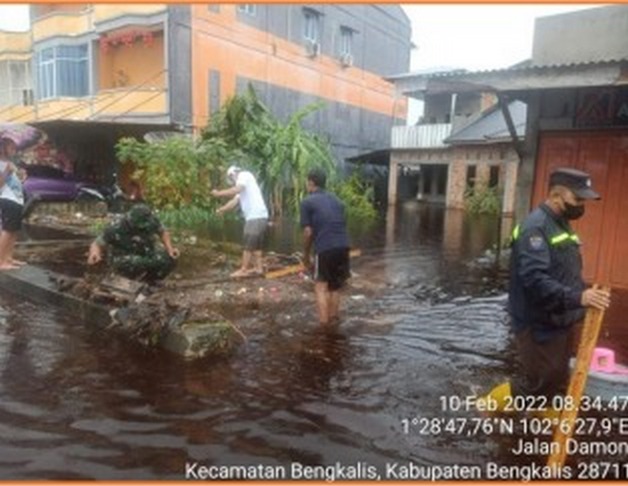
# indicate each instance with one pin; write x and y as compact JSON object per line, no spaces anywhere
{"x":453,"y":236}
{"x":78,"y":403}
{"x":323,"y":354}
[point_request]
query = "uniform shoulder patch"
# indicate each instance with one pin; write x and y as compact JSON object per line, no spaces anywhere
{"x":536,"y":242}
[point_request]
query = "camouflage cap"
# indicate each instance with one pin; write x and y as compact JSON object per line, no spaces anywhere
{"x":141,"y":217}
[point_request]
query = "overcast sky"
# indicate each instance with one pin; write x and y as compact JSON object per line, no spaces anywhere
{"x":476,"y":37}
{"x":13,"y":17}
{"x":453,"y":36}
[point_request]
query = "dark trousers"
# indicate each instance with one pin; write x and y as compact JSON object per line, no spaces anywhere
{"x":150,"y":267}
{"x":544,"y":366}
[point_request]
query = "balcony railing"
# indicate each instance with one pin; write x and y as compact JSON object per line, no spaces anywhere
{"x":117,"y":102}
{"x":108,"y":105}
{"x":420,"y":136}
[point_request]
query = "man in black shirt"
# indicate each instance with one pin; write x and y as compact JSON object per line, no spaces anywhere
{"x":324,"y":227}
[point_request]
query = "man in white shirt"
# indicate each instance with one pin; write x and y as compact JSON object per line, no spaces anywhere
{"x":247,"y":193}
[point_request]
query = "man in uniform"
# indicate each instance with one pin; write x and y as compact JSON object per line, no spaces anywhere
{"x":131,"y":246}
{"x":547,"y":295}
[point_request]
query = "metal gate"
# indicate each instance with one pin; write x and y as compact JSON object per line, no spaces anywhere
{"x":604,"y":228}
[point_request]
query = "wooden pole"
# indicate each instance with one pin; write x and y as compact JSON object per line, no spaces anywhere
{"x":298,"y":267}
{"x":577,"y":384}
{"x":393,"y":180}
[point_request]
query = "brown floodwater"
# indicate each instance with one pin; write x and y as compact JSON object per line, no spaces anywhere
{"x":77,"y":402}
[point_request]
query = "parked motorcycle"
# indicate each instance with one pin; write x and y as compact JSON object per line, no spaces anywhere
{"x":113,"y":195}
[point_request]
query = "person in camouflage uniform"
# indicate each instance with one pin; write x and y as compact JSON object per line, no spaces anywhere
{"x":131,"y":245}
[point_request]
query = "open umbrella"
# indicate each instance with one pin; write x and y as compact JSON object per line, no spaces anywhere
{"x":24,"y":136}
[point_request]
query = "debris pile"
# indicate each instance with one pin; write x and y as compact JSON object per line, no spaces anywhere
{"x":192,"y":316}
{"x":198,"y":310}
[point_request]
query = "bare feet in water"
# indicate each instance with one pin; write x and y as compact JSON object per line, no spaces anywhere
{"x":8,"y":266}
{"x":246,"y":273}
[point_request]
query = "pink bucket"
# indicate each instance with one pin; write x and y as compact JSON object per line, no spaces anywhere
{"x":603,"y":360}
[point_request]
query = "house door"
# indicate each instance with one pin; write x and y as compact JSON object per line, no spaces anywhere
{"x":604,"y":228}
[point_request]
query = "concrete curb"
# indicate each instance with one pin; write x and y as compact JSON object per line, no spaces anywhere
{"x":37,"y":285}
{"x":190,"y":340}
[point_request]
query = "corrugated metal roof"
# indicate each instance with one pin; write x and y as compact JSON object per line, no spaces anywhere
{"x":427,"y":73}
{"x":522,"y":77}
{"x":524,"y":66}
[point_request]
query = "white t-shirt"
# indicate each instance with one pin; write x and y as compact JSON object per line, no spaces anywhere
{"x":251,"y":199}
{"x":12,"y":187}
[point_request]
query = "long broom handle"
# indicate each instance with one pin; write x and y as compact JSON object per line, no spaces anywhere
{"x":577,"y":384}
{"x":290,"y":269}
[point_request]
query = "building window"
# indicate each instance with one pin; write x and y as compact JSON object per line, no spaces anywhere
{"x":471,"y":174}
{"x":311,"y":29}
{"x":45,"y":74}
{"x":15,"y":85}
{"x":62,"y":71}
{"x":247,"y":8}
{"x":494,"y":177}
{"x":346,"y":41}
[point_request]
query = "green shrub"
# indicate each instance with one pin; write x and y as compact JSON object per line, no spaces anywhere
{"x":189,"y":217}
{"x":483,"y":201}
{"x":357,"y":195}
{"x":279,"y":154}
{"x":178,"y":173}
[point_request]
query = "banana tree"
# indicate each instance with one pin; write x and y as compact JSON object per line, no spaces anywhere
{"x":279,"y":154}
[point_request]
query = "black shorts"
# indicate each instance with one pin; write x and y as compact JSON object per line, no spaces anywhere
{"x":332,"y":266}
{"x":11,"y":215}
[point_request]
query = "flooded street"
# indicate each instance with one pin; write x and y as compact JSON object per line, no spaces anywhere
{"x":82,"y":403}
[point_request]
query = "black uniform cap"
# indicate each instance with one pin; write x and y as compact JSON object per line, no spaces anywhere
{"x":575,"y":180}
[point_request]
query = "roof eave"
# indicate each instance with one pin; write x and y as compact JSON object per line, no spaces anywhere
{"x":611,"y":73}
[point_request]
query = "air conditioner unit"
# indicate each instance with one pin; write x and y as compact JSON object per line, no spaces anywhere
{"x":346,"y":60}
{"x":312,"y":48}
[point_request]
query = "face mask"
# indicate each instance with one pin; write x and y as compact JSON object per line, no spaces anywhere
{"x":573,"y":212}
